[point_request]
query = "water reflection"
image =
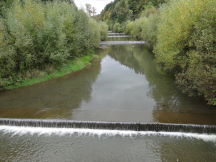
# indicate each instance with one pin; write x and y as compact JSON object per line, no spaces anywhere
{"x":171,"y":104}
{"x":53,"y":99}
{"x":126,"y":85}
{"x":161,"y":86}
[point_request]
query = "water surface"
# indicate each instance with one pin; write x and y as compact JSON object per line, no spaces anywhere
{"x":126,"y":85}
{"x":67,"y":148}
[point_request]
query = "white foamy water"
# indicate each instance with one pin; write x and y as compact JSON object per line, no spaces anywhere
{"x":15,"y":130}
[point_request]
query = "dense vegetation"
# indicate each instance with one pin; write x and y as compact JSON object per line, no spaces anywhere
{"x":186,"y":40}
{"x":182,"y":35}
{"x":117,"y":13}
{"x":145,"y":27}
{"x":42,"y":35}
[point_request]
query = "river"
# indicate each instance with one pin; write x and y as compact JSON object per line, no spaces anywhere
{"x":125,"y":85}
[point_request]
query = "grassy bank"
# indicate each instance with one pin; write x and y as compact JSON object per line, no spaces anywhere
{"x":69,"y":67}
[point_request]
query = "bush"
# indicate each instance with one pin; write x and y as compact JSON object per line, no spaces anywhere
{"x":35,"y":34}
{"x":186,"y":45}
{"x":145,"y":27}
{"x":4,"y":4}
{"x":103,"y":30}
{"x":117,"y":27}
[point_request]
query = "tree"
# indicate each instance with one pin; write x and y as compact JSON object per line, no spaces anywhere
{"x":94,"y":11}
{"x":90,"y":9}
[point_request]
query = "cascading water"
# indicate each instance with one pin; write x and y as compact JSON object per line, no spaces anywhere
{"x":121,"y":42}
{"x":125,"y":126}
{"x":59,"y":127}
{"x":119,"y":36}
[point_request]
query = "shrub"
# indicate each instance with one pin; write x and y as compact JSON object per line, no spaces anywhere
{"x":145,"y":27}
{"x":117,"y":27}
{"x":103,"y":30}
{"x":4,"y":4}
{"x":176,"y":24}
{"x":35,"y":34}
{"x":186,"y":45}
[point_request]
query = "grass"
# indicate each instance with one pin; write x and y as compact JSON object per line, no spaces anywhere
{"x":69,"y":67}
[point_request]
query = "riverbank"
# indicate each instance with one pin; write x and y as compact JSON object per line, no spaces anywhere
{"x":71,"y":66}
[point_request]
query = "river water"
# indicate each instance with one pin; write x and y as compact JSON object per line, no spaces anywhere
{"x":125,"y":85}
{"x":77,"y":148}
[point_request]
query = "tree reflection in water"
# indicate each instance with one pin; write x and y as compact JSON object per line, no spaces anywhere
{"x":52,"y":99}
{"x":171,"y":105}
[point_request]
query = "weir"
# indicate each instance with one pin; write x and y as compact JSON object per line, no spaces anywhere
{"x":112,"y":33}
{"x":121,"y":42}
{"x":119,"y":36}
{"x":124,"y":126}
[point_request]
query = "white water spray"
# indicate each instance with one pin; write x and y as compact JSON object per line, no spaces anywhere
{"x":17,"y":130}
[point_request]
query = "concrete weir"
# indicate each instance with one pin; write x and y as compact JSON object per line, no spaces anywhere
{"x":121,"y":42}
{"x":122,"y":126}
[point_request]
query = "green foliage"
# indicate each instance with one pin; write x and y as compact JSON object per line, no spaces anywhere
{"x":186,"y":45}
{"x":34,"y":35}
{"x":120,"y":11}
{"x":176,"y":23}
{"x":145,"y":27}
{"x":103,"y":30}
{"x":183,"y":35}
{"x":71,"y":66}
{"x":137,"y":7}
{"x":117,"y":27}
{"x":115,"y":14}
{"x":4,"y":4}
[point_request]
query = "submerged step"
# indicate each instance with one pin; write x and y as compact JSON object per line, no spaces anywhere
{"x":98,"y":125}
{"x":119,"y":36}
{"x":112,"y":33}
{"x":120,"y":42}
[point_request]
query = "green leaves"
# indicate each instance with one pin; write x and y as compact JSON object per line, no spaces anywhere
{"x":186,"y":45}
{"x":145,"y":27}
{"x":183,"y":36}
{"x":35,"y":35}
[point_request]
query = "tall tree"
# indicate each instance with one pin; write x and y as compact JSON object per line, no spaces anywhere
{"x":94,"y":11}
{"x":89,"y":9}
